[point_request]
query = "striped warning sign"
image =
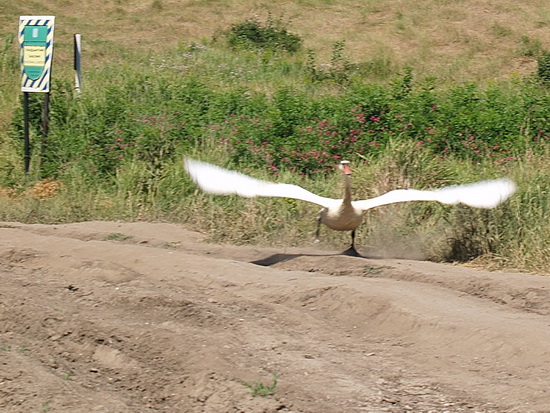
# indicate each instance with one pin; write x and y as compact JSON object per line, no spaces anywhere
{"x":36,"y":42}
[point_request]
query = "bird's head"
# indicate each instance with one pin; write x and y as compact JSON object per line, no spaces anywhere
{"x":345,"y":167}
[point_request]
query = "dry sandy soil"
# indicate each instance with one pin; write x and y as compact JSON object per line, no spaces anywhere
{"x":145,"y":317}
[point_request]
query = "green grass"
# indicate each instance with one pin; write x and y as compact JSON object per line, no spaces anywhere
{"x":370,"y":270}
{"x":263,"y":390}
{"x":116,"y":236}
{"x":512,"y":236}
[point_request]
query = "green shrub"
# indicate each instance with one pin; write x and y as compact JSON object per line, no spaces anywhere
{"x":339,"y":70}
{"x":271,"y":35}
{"x":530,"y":47}
{"x":153,"y":118}
{"x":543,"y":68}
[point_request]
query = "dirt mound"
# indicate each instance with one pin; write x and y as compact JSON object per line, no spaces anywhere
{"x":143,"y":317}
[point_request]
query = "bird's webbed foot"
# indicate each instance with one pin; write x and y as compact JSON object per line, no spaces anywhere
{"x":351,"y":252}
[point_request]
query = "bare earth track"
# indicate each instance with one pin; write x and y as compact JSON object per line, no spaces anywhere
{"x":144,"y":317}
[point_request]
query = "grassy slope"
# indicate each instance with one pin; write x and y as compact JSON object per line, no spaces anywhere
{"x":450,"y":39}
{"x":458,"y":38}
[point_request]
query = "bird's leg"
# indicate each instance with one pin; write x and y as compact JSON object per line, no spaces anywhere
{"x":318,"y":230}
{"x":351,"y":250}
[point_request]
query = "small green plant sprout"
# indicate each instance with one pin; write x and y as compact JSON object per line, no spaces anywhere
{"x":117,"y":236}
{"x":375,"y":269}
{"x":170,"y":245}
{"x":260,"y":389}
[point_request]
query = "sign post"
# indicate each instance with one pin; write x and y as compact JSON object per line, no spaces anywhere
{"x":77,"y":60}
{"x":36,"y":44}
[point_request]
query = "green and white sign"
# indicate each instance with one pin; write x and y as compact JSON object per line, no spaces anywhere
{"x":36,"y":41}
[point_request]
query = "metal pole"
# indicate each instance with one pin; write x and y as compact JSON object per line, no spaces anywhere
{"x":77,"y":53}
{"x":45,"y":130}
{"x":27,"y":142}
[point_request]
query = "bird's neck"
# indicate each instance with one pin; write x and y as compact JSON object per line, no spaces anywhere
{"x":347,"y":189}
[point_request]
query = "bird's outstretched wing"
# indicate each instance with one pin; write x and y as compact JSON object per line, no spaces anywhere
{"x":220,"y":181}
{"x":484,"y":194}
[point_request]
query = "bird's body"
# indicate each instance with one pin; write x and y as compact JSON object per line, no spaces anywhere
{"x":345,"y":214}
{"x":344,"y":217}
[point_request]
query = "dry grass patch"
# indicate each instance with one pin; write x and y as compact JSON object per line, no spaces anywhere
{"x":433,"y":35}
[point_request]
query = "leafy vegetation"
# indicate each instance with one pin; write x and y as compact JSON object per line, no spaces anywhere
{"x":154,"y":117}
{"x":115,"y":151}
{"x":543,"y":69}
{"x":272,"y":35}
{"x":117,"y":236}
{"x":260,"y":389}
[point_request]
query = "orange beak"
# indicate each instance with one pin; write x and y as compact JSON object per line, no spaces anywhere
{"x":346,"y":168}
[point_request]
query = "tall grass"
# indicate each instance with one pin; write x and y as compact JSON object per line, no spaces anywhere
{"x":514,"y":235}
{"x":9,"y":65}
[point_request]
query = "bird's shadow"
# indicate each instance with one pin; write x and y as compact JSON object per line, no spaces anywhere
{"x":277,"y":258}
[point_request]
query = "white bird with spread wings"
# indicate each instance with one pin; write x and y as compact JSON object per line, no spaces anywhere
{"x":345,"y":214}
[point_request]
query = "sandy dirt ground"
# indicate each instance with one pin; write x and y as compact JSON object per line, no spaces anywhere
{"x":147,"y":317}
